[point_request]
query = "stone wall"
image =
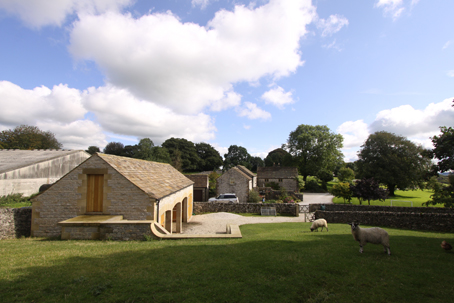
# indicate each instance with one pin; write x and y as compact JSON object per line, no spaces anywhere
{"x":15,"y":222}
{"x":414,"y":218}
{"x":281,"y":208}
{"x":120,"y":231}
{"x":234,"y":181}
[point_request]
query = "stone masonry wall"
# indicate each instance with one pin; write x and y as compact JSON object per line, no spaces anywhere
{"x":281,"y":208}
{"x":233,"y":181}
{"x":15,"y":222}
{"x":356,"y":208}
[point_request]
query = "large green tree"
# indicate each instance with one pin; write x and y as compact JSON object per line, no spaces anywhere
{"x":182,"y":152}
{"x":28,"y":137}
{"x":444,"y":149}
{"x":280,"y":157}
{"x":114,"y":148}
{"x":144,"y":149}
{"x":237,"y":155}
{"x":314,"y":149}
{"x":256,"y":162}
{"x":392,"y":160}
{"x":210,"y":159}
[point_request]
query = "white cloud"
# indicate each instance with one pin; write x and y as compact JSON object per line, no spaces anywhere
{"x":22,"y":106}
{"x":118,"y":111}
{"x":450,"y":73}
{"x":246,"y":126}
{"x":37,"y":13}
{"x":447,"y":44}
{"x":354,"y":133}
{"x":202,"y":3}
{"x":231,"y":99}
{"x":252,"y":111}
{"x":332,"y":45}
{"x":393,"y":8}
{"x":332,"y":25}
{"x":187,"y":67}
{"x":278,"y":97}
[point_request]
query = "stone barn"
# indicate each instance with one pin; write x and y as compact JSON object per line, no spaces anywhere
{"x":238,"y":180}
{"x":286,"y":177}
{"x":112,"y":197}
{"x":24,"y":171}
{"x":201,"y":186}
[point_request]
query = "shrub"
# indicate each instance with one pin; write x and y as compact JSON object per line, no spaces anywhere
{"x":273,"y":185}
{"x":12,"y":199}
{"x":342,"y":190}
{"x":254,"y":196}
{"x":313,"y":186}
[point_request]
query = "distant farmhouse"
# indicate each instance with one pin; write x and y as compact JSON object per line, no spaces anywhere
{"x":24,"y":171}
{"x":201,"y":186}
{"x":238,"y":180}
{"x":286,"y":177}
{"x":112,"y":197}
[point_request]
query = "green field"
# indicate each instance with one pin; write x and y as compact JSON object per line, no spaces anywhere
{"x":273,"y":263}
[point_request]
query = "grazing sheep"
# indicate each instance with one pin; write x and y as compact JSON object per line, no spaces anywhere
{"x":319,"y":223}
{"x":374,"y":235}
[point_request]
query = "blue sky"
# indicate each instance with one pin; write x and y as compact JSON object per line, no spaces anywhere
{"x":226,"y":72}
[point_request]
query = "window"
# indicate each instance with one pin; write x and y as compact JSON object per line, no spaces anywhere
{"x":267,"y":180}
{"x":280,"y":180}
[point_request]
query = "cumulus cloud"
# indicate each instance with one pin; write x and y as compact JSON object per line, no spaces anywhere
{"x":332,"y":25}
{"x":393,"y":8}
{"x":38,"y":13}
{"x":202,"y":3}
{"x":252,"y":111}
{"x":118,"y":111}
{"x":188,"y":67}
{"x":22,"y":106}
{"x":450,"y":73}
{"x":354,"y":133}
{"x":278,"y":97}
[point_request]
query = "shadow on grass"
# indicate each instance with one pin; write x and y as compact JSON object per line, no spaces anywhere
{"x":282,"y":263}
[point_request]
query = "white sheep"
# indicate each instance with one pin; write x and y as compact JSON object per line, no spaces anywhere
{"x":319,"y":223}
{"x":374,"y":235}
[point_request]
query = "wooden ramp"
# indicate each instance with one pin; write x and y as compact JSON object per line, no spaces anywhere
{"x":232,"y":231}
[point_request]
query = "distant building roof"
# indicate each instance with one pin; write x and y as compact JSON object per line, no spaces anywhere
{"x":276,"y":172}
{"x":12,"y":159}
{"x":245,"y":170}
{"x":158,"y":180}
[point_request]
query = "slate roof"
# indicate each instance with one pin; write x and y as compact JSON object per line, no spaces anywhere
{"x":236,"y":169}
{"x":157,"y":180}
{"x":12,"y":159}
{"x":245,"y":170}
{"x":276,"y":172}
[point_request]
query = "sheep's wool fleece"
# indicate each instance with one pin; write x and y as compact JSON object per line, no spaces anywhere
{"x":319,"y":223}
{"x":374,"y":235}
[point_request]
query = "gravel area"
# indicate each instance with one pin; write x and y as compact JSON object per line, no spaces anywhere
{"x":215,"y":223}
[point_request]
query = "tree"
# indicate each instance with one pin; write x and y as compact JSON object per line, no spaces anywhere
{"x":256,"y":162}
{"x":444,"y":149}
{"x":114,"y":148}
{"x":28,"y":137}
{"x":93,"y":150}
{"x":314,"y":148}
{"x":342,"y":190}
{"x":160,"y":154}
{"x":392,"y":160}
{"x":368,"y":189}
{"x":184,"y":151}
{"x":280,"y":157}
{"x":144,"y":149}
{"x":345,"y":174}
{"x":236,"y":155}
{"x":442,"y":194}
{"x":210,"y":158}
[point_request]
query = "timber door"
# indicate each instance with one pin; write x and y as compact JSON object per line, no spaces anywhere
{"x":95,"y":184}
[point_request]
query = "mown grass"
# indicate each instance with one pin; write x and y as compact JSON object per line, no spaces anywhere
{"x":282,"y":262}
{"x":418,"y":197}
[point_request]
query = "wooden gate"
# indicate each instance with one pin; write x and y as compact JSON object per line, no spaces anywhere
{"x":95,"y":193}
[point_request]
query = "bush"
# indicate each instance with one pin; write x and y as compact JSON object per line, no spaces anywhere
{"x":273,"y":185}
{"x":313,"y":186}
{"x":14,"y":199}
{"x":254,"y":196}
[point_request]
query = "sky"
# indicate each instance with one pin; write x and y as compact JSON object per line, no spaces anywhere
{"x":226,"y":72}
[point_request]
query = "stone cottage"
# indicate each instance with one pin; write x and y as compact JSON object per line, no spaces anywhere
{"x":24,"y":171}
{"x":286,"y":177}
{"x":238,"y":180}
{"x":201,"y":186}
{"x":113,"y":197}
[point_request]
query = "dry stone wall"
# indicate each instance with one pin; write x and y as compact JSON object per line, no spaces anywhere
{"x":254,"y":208}
{"x":15,"y":222}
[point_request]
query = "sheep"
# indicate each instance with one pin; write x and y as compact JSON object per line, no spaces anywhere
{"x":319,"y":223}
{"x":374,"y":235}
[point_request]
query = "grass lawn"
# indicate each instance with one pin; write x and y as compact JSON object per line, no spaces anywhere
{"x":282,"y":262}
{"x":416,"y":196}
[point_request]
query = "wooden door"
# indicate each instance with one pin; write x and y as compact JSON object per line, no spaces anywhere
{"x":95,"y":184}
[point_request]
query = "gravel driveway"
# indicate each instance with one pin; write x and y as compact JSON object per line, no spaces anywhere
{"x":215,"y":223}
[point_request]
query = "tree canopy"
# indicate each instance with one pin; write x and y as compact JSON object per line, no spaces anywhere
{"x":444,"y":149}
{"x":237,"y":155}
{"x":182,"y":152}
{"x":28,"y":137}
{"x":314,"y":149}
{"x":392,"y":160}
{"x":93,"y":150}
{"x":114,"y":148}
{"x":279,"y":156}
{"x":368,"y":189}
{"x":345,"y":174}
{"x":210,"y":159}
